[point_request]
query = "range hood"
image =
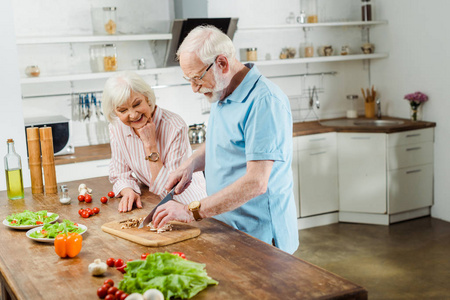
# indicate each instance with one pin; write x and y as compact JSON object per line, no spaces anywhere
{"x":181,"y":28}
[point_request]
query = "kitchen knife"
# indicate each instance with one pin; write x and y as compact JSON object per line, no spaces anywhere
{"x":149,"y":217}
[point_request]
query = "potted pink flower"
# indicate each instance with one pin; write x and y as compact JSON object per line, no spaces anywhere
{"x":415,"y":99}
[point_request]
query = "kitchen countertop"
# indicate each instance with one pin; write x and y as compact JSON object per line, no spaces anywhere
{"x":245,"y":267}
{"x":103,"y":151}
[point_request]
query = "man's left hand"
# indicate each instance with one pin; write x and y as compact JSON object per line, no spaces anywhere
{"x":171,"y":211}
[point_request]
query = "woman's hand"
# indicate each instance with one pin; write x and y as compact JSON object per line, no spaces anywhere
{"x":147,"y":134}
{"x":128,"y":199}
{"x":171,"y":211}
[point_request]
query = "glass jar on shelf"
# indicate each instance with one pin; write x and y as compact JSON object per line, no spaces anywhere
{"x":32,"y":71}
{"x":97,"y":54}
{"x":366,"y":10}
{"x":110,"y":58}
{"x":309,"y":7}
{"x":109,"y":19}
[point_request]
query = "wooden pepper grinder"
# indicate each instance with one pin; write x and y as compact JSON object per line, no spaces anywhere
{"x":48,"y":160}
{"x":34,"y":160}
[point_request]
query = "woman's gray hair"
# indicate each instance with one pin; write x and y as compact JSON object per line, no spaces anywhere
{"x":118,"y":89}
{"x":207,"y":42}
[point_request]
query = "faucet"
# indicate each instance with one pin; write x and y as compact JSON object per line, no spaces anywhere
{"x":378,"y":108}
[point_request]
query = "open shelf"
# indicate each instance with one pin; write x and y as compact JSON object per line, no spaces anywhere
{"x":92,"y":38}
{"x":320,"y":59}
{"x":309,"y":25}
{"x":89,"y":76}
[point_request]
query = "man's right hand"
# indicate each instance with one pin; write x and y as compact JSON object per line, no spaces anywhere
{"x":181,"y":177}
{"x":128,"y":199}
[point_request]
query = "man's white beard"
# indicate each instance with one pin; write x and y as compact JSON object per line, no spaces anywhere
{"x":218,"y":90}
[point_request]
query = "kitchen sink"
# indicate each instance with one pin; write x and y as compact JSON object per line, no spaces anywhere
{"x":360,"y":122}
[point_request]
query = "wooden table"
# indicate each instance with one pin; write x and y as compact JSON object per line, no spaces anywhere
{"x":246,"y":268}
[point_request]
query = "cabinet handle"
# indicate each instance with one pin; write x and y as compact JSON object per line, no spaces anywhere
{"x":414,"y":148}
{"x":318,"y":153}
{"x":317,"y":140}
{"x":412,"y":135}
{"x":360,"y":137}
{"x":413,"y":171}
{"x":102,"y":166}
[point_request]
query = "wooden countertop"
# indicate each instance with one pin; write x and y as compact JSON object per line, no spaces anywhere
{"x":246,"y":268}
{"x":103,"y":151}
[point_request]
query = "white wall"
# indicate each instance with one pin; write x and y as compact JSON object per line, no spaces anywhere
{"x":11,"y":117}
{"x":417,"y":40}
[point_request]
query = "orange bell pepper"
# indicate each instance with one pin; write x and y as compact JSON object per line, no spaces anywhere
{"x":68,"y":244}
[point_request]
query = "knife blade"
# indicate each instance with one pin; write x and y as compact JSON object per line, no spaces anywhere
{"x":149,"y":217}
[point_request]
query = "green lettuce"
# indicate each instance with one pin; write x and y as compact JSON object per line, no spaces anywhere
{"x":52,"y":230}
{"x":30,"y":218}
{"x":173,"y":276}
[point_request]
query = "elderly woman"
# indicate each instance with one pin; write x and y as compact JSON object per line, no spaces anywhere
{"x":147,"y":142}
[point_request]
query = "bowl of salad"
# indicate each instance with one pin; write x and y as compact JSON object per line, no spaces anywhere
{"x":48,"y":232}
{"x":29,"y":219}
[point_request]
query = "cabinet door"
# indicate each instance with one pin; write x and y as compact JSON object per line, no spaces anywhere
{"x":362,"y":172}
{"x":318,"y":181}
{"x":410,"y":188}
{"x":295,"y":175}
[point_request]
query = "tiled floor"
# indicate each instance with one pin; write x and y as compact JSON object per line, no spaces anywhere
{"x":407,"y":260}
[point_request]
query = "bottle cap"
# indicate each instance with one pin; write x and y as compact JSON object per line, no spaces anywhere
{"x":10,"y":141}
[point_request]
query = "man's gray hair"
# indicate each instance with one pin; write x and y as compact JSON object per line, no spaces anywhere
{"x":118,"y":89}
{"x":207,"y":42}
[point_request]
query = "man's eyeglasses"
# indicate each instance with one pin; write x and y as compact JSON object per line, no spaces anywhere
{"x":198,"y":80}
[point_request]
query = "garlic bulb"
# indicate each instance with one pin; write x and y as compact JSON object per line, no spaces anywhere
{"x":135,"y":296}
{"x":153,"y":294}
{"x":97,"y":267}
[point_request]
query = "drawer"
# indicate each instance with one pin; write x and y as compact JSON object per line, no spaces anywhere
{"x":410,"y":188}
{"x":314,"y":141}
{"x":410,"y":155}
{"x":411,"y":137}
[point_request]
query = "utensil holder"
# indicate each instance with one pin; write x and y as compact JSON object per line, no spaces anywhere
{"x":370,"y":109}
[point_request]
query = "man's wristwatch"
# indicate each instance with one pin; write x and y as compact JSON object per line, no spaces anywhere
{"x":154,"y":156}
{"x":194,"y":207}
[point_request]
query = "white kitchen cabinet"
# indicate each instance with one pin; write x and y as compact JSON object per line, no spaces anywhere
{"x":385,"y":178}
{"x":315,"y":174}
{"x":362,"y":172}
{"x":82,"y":170}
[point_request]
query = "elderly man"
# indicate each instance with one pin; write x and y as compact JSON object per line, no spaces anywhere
{"x":248,"y":151}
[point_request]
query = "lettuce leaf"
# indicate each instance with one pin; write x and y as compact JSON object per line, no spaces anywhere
{"x":52,"y":230}
{"x":30,"y":218}
{"x":173,"y":276}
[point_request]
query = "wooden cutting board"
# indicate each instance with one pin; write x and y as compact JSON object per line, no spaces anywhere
{"x":180,"y":232}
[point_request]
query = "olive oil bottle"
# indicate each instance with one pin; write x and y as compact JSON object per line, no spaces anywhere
{"x":13,"y":172}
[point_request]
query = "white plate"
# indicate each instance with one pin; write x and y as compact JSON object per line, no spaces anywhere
{"x":46,"y":240}
{"x":23,"y":227}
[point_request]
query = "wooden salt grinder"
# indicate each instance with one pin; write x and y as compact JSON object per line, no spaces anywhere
{"x":48,"y":160}
{"x":34,"y":160}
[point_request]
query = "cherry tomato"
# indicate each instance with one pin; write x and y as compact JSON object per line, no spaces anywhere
{"x":81,"y":198}
{"x":88,"y":198}
{"x":103,"y":200}
{"x":112,"y":290}
{"x":123,"y":296}
{"x":89,"y":211}
{"x":180,"y":254}
{"x":39,"y":222}
{"x":110,"y":297}
{"x":109,"y":281}
{"x":102,"y":292}
{"x":110,"y":262}
{"x":111,"y":194}
{"x":121,"y":269}
{"x":85,"y":214}
{"x":43,"y":231}
{"x":144,"y":255}
{"x":118,"y":263}
{"x":75,"y":224}
{"x":80,"y":211}
{"x":14,"y":222}
{"x":96,"y":210}
{"x":118,"y":294}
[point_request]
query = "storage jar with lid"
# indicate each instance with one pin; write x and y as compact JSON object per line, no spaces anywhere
{"x":109,"y":19}
{"x":366,"y":10}
{"x":252,"y":54}
{"x":110,"y":58}
{"x":32,"y":71}
{"x":352,"y":112}
{"x":96,"y":54}
{"x":310,"y":9}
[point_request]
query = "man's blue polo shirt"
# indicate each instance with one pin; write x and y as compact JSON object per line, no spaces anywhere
{"x":254,"y":123}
